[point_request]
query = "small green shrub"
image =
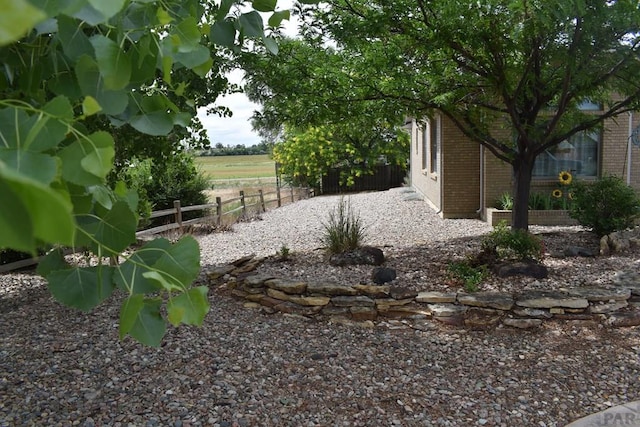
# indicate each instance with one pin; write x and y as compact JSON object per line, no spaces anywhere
{"x":470,"y":276}
{"x":344,"y":230}
{"x":512,"y":244}
{"x":605,"y":206}
{"x":284,"y":252}
{"x":505,"y":202}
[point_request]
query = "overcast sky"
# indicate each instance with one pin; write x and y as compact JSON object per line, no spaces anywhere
{"x":237,"y":129}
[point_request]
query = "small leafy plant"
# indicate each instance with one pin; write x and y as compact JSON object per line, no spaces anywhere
{"x":605,"y":206}
{"x":344,"y":230}
{"x":505,"y":202}
{"x":284,"y":252}
{"x":470,"y":276}
{"x":512,"y":244}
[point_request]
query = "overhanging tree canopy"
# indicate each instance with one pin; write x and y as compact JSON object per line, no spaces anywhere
{"x":63,"y":63}
{"x":314,"y":92}
{"x":520,"y":65}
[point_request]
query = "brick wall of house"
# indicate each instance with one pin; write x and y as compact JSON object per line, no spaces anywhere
{"x":460,"y":173}
{"x":615,"y":150}
{"x":420,"y":178}
{"x":460,"y":170}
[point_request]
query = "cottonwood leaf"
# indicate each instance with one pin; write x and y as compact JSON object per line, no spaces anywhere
{"x":141,"y":319}
{"x":16,"y":19}
{"x":32,"y":211}
{"x":276,"y":18}
{"x":189,"y":308}
{"x":131,"y":277}
{"x":82,"y":287}
{"x":251,"y":24}
{"x":223,"y":33}
{"x":264,"y":5}
{"x":113,"y":232}
{"x":114,"y":64}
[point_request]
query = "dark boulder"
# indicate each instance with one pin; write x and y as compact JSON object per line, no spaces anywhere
{"x":365,"y":255}
{"x":383,"y":275}
{"x":522,"y":268}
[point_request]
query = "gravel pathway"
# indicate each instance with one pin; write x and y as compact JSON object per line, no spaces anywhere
{"x":247,"y":368}
{"x":389,"y":220}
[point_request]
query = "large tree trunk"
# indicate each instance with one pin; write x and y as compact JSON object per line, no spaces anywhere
{"x":522,"y":170}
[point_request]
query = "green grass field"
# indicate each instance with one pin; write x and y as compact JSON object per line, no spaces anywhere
{"x":237,"y":167}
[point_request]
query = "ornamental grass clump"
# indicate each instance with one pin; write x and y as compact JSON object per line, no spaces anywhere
{"x":344,"y":230}
{"x":605,"y":206}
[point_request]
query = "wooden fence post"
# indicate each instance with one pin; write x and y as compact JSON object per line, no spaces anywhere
{"x":176,"y":206}
{"x":218,"y":210}
{"x":278,"y":195}
{"x":264,"y":209}
{"x":292,"y":196}
{"x":243,"y":203}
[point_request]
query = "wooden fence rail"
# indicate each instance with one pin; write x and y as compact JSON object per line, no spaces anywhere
{"x":237,"y":207}
{"x":247,"y":203}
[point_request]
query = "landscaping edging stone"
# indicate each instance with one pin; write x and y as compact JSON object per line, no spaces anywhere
{"x":618,"y":306}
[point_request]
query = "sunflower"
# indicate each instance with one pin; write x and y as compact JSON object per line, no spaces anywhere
{"x":557,"y":193}
{"x":565,"y":177}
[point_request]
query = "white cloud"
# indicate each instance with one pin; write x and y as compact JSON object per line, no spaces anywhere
{"x":237,"y":129}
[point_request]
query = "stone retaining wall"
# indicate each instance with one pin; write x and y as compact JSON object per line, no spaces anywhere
{"x":619,"y":306}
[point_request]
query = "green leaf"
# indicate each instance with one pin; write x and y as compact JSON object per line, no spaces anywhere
{"x":107,"y":8}
{"x":271,"y":44}
{"x":157,"y":123}
{"x":35,"y":133}
{"x":129,"y":311}
{"x":81,"y":287}
{"x":130,"y":277}
{"x":101,"y":195}
{"x":181,"y":263}
{"x":113,"y":62}
{"x":74,"y":41}
{"x":142,"y":321}
{"x":251,"y":24}
{"x":161,"y":280}
{"x":13,"y":124}
{"x":59,"y":107}
{"x":223,"y":33}
{"x":17,"y":18}
{"x":95,"y":156}
{"x":32,"y":211}
{"x":167,"y":64}
{"x":189,"y":308}
{"x":194,"y":58}
{"x":276,"y":18}
{"x":99,"y":161}
{"x":203,"y":69}
{"x":223,"y":9}
{"x":40,"y":167}
{"x":91,"y":83}
{"x":264,"y":5}
{"x":90,"y":106}
{"x":114,"y":231}
{"x":189,"y":34}
{"x":53,"y":261}
{"x":163,"y":16}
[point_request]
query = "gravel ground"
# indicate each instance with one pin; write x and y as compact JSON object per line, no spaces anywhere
{"x":247,"y":368}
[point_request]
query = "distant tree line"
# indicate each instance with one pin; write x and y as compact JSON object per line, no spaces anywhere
{"x":237,"y":150}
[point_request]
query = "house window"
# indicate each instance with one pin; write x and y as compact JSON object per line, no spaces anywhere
{"x":434,"y":146}
{"x":578,"y":154}
{"x":425,"y":145}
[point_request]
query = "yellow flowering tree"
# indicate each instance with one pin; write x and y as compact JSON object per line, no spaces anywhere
{"x":306,"y":155}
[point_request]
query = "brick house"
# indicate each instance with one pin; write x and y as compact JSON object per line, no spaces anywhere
{"x":461,"y":179}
